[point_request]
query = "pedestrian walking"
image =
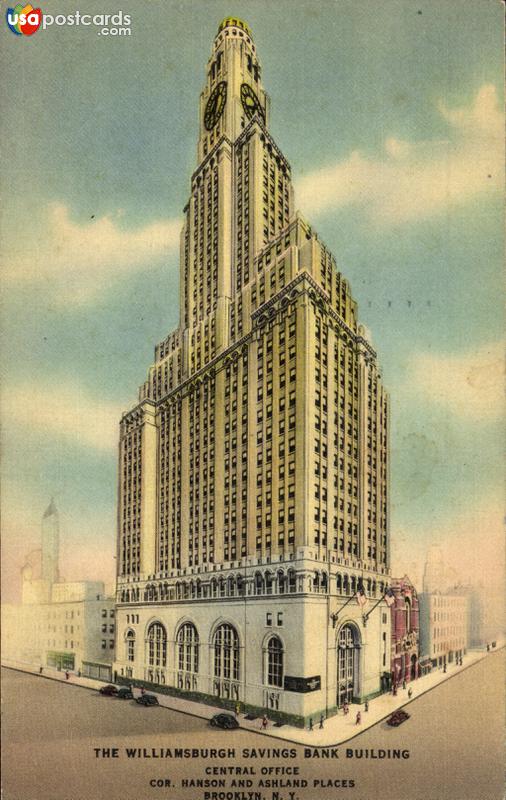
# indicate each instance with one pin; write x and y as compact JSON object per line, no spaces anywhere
{"x":40,"y":670}
{"x":310,"y":723}
{"x":410,"y":693}
{"x":321,"y":721}
{"x":404,"y":684}
{"x":237,"y":709}
{"x":358,"y":720}
{"x":366,"y":705}
{"x":345,"y":708}
{"x":67,"y":676}
{"x":394,"y":692}
{"x":265,"y":722}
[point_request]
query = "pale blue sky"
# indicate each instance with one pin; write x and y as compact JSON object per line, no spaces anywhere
{"x":389,"y":115}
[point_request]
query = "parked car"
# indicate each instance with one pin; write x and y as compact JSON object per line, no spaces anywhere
{"x":397,"y":718}
{"x":109,"y":689}
{"x":226,"y":721}
{"x":125,"y":693}
{"x":148,"y":700}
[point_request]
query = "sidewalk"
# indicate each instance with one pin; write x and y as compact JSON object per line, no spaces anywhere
{"x":336,"y":730}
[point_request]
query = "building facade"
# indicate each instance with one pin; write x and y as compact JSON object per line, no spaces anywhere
{"x":253,"y":470}
{"x":59,"y":624}
{"x":443,"y":627}
{"x":404,"y":611}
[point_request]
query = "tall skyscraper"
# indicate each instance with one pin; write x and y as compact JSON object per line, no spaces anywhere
{"x":253,"y":470}
{"x":50,"y":544}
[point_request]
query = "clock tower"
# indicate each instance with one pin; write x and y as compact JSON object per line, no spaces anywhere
{"x":233,"y":93}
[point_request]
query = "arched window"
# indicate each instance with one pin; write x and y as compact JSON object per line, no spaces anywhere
{"x":281,"y":582}
{"x":274,"y":671}
{"x":157,"y":645}
{"x":226,"y":653}
{"x":259,"y":583}
{"x":130,"y":645}
{"x":407,"y":613}
{"x":348,"y":664}
{"x":188,"y":648}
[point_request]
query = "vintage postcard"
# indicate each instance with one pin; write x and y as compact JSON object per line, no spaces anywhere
{"x":252,"y":400}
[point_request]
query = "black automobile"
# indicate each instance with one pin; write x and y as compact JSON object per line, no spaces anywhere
{"x":226,"y":721}
{"x":125,"y":693}
{"x":397,"y":718}
{"x":147,"y":700}
{"x":108,"y":690}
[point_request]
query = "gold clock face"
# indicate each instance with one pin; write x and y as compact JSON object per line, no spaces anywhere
{"x":215,"y":105}
{"x":250,"y":102}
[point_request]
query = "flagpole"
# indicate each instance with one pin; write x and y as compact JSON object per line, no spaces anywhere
{"x":335,"y":615}
{"x":366,"y":616}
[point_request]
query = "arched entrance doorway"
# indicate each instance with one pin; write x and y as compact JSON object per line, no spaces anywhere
{"x":348,"y":664}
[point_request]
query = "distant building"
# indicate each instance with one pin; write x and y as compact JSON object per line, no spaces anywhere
{"x":476,"y":626}
{"x":50,"y":544}
{"x":434,"y":571}
{"x":67,"y":626}
{"x":405,"y":626}
{"x":443,"y":627}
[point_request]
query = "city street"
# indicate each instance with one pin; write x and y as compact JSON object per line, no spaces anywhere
{"x":50,"y":732}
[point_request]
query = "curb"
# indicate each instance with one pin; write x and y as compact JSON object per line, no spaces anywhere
{"x":260,"y":732}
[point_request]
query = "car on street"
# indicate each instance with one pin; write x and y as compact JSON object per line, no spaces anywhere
{"x":125,"y":693}
{"x":108,"y":690}
{"x":397,"y":718}
{"x":226,"y":721}
{"x":147,"y":700}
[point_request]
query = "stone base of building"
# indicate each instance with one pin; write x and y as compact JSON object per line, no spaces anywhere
{"x":293,"y":656}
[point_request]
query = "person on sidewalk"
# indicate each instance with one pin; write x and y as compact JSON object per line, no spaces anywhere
{"x":321,"y":721}
{"x":359,"y":718}
{"x":265,"y":722}
{"x":237,"y":709}
{"x":67,"y":675}
{"x":366,"y":705}
{"x":345,"y":708}
{"x":410,"y":693}
{"x":40,"y":670}
{"x":310,"y":723}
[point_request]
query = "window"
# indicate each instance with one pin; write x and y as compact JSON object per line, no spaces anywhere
{"x":268,"y":619}
{"x":188,"y":648}
{"x":157,"y":645}
{"x":280,"y":619}
{"x":130,"y":645}
{"x":226,"y":652}
{"x":274,"y":662}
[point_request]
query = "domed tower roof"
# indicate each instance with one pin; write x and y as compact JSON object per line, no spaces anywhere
{"x":236,"y":23}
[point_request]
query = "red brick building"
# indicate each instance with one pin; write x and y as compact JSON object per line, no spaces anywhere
{"x":405,"y":632}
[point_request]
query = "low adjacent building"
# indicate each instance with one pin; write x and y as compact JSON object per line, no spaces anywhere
{"x":405,"y":655}
{"x":443,"y":627}
{"x":59,"y":624}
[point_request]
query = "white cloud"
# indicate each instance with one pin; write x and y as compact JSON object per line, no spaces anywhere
{"x":75,"y":261}
{"x":64,"y":411}
{"x":413,"y":180}
{"x":470,"y":385}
